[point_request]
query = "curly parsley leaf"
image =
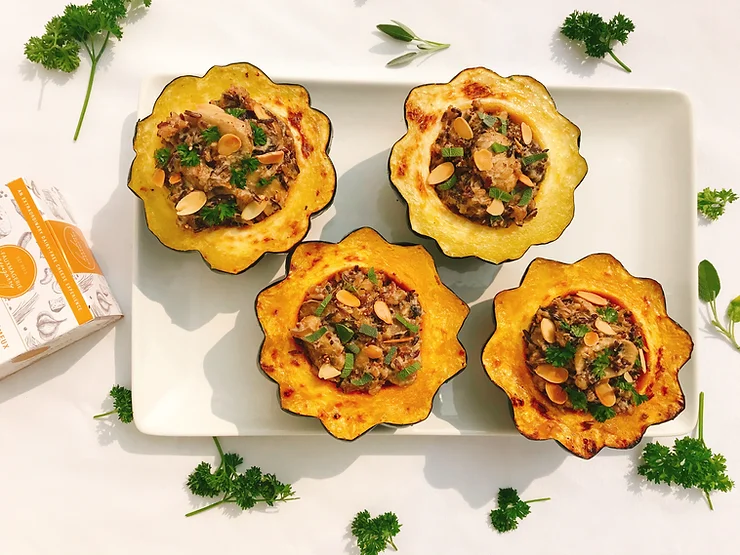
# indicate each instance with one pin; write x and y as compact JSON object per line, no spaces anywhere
{"x":712,"y":202}
{"x":511,"y":509}
{"x":637,"y":398}
{"x":600,"y":363}
{"x":239,"y":172}
{"x":596,"y":34}
{"x":245,"y":489}
{"x":217,"y":214}
{"x":608,"y":314}
{"x":162,"y":157}
{"x":600,"y":412}
{"x":689,"y":464}
{"x":236,"y":112}
{"x":258,"y":135}
{"x":374,"y":535}
{"x":121,"y":404}
{"x":560,"y":356}
{"x":265,"y":181}
{"x":188,"y":155}
{"x":211,"y":134}
{"x":577,"y":398}
{"x":577,"y":330}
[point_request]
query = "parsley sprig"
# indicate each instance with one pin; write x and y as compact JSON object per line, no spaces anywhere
{"x":90,"y":26}
{"x":374,"y":535}
{"x":690,"y":464}
{"x":121,"y":404}
{"x":709,"y":288}
{"x":245,"y":489}
{"x":402,"y":32}
{"x":560,"y":356}
{"x":511,"y":509}
{"x":712,"y":202}
{"x":596,"y":34}
{"x":218,"y":213}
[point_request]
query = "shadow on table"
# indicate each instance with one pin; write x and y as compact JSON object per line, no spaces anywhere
{"x":572,"y":56}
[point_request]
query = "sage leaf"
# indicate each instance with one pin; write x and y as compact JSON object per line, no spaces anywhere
{"x":405,"y":28}
{"x":396,"y":32}
{"x":709,"y":285}
{"x":733,"y":310}
{"x":403,"y":59}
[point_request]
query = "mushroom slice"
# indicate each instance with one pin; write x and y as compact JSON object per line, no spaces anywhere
{"x":227,"y":124}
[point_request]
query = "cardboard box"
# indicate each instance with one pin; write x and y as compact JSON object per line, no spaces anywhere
{"x":52,"y":291}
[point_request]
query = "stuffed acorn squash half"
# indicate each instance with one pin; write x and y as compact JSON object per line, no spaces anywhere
{"x":359,"y":333}
{"x":232,"y":165}
{"x":488,"y":167}
{"x":587,"y":354}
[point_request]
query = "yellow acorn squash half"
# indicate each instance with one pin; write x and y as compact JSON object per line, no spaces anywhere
{"x":234,"y":249}
{"x":667,"y":347}
{"x":525,"y":100}
{"x":347,"y":415}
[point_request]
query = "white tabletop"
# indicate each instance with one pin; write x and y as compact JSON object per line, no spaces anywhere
{"x":71,"y":485}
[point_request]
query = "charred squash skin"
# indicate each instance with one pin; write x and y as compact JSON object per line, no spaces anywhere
{"x":349,"y":415}
{"x":523,"y":98}
{"x":667,"y":348}
{"x":229,"y":249}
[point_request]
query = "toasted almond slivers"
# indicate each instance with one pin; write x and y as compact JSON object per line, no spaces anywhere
{"x":548,"y":330}
{"x":253,"y":209}
{"x":158,"y":177}
{"x":591,"y":338}
{"x":399,"y":340}
{"x":383,"y":312}
{"x":643,"y":364}
{"x":552,"y":374}
{"x":259,"y":111}
{"x":441,"y":173}
{"x":347,"y":298}
{"x":496,"y":208}
{"x":327,"y":372}
{"x":604,"y":328}
{"x":525,"y":180}
{"x":556,"y":393}
{"x":592,"y":298}
{"x":605,"y":393}
{"x":229,"y":144}
{"x":190,"y":203}
{"x":373,"y":351}
{"x":175,"y":178}
{"x":274,"y":157}
{"x":526,"y":133}
{"x":483,"y":159}
{"x":462,"y":128}
{"x":627,"y":377}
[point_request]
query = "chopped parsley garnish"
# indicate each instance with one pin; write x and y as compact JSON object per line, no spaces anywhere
{"x":487,"y":119}
{"x":503,"y":196}
{"x":504,"y":126}
{"x":498,"y":148}
{"x":352,"y":348}
{"x":532,"y":158}
{"x":526,"y":196}
{"x":637,"y":398}
{"x":413,"y":328}
{"x":211,"y":135}
{"x":371,"y":276}
{"x":577,"y":398}
{"x":389,"y":357}
{"x":511,"y":509}
{"x":259,"y":136}
{"x":637,"y":364}
{"x":188,"y":156}
{"x":236,"y":112}
{"x":406,"y":373}
{"x":218,"y":213}
{"x":608,"y":314}
{"x":368,"y":330}
{"x":364,"y":380}
{"x":600,"y":412}
{"x":452,"y":152}
{"x":560,"y":356}
{"x":315,"y":336}
{"x":638,"y":341}
{"x":449,"y":184}
{"x":265,"y":181}
{"x":349,"y":364}
{"x":239,"y":173}
{"x":162,"y":156}
{"x":322,"y":307}
{"x":600,"y":363}
{"x":345,"y":333}
{"x":577,"y":330}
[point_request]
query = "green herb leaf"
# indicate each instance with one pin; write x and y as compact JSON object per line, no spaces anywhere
{"x":413,"y":328}
{"x":526,"y":196}
{"x":188,"y":155}
{"x":364,"y":380}
{"x":406,"y":373}
{"x":577,"y":398}
{"x":389,"y":356}
{"x":504,"y":126}
{"x":370,"y":331}
{"x":575,"y":330}
{"x":712,"y":202}
{"x":162,"y":157}
{"x":487,"y":119}
{"x":497,"y":193}
{"x":345,"y":333}
{"x":532,"y":158}
{"x":560,"y":356}
{"x":452,"y":151}
{"x":324,"y":303}
{"x":639,"y":342}
{"x":218,"y":213}
{"x":315,"y":336}
{"x":258,"y":134}
{"x":122,"y":405}
{"x":352,"y":348}
{"x":236,"y":112}
{"x":498,"y":148}
{"x":349,"y":364}
{"x":709,"y":284}
{"x":371,"y":276}
{"x":211,"y":135}
{"x":402,"y":59}
{"x":637,"y":398}
{"x":596,"y":34}
{"x":374,"y":535}
{"x":733,"y":310}
{"x":265,"y":181}
{"x":608,"y":314}
{"x":239,"y":173}
{"x":396,"y":32}
{"x":449,"y":184}
{"x":511,"y":509}
{"x":601,"y":363}
{"x":600,"y":412}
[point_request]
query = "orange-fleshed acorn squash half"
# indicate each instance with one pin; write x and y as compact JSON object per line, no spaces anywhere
{"x":310,"y":188}
{"x":666,"y":348}
{"x":348,"y":414}
{"x":516,"y":167}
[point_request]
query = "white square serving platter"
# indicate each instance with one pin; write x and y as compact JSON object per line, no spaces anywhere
{"x":195,"y":338}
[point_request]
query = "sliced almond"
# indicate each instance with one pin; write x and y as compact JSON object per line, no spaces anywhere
{"x":259,"y":111}
{"x":175,"y":178}
{"x":253,"y":209}
{"x":398,"y":340}
{"x":592,"y":298}
{"x":605,"y":393}
{"x":190,"y":203}
{"x":627,"y":377}
{"x":383,"y":312}
{"x":483,"y":159}
{"x":462,"y":128}
{"x":604,"y":328}
{"x":643,"y":364}
{"x":591,"y":338}
{"x":347,"y":298}
{"x":158,"y":177}
{"x":525,"y":180}
{"x":552,"y":374}
{"x":327,"y":372}
{"x":548,"y":330}
{"x":229,"y":144}
{"x":441,"y":173}
{"x":526,"y":133}
{"x":274,"y":157}
{"x":496,"y":208}
{"x":373,"y":351}
{"x":556,"y":393}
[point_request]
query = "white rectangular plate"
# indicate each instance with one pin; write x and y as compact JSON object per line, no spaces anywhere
{"x":195,"y":335}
